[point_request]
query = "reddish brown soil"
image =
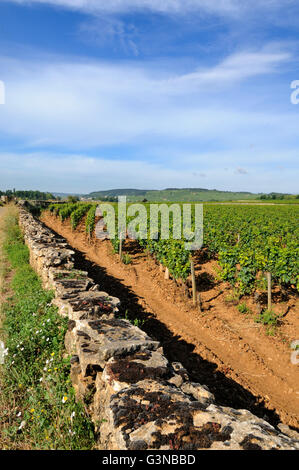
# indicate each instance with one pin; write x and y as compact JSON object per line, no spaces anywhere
{"x":242,"y":365}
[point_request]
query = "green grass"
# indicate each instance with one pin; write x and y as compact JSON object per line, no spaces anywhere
{"x":244,"y":309}
{"x":269,"y":319}
{"x":41,"y":410}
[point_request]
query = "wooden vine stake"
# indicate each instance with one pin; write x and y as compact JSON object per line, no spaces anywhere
{"x":166,"y":276}
{"x":89,"y":233}
{"x":268,"y":276}
{"x":199,"y":302}
{"x":193,"y":284}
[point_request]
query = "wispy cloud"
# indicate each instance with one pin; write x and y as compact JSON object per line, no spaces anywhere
{"x":223,"y":7}
{"x":241,"y":171}
{"x":236,"y":67}
{"x":107,"y":29}
{"x":88,"y":104}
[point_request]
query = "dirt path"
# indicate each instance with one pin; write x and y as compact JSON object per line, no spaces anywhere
{"x":230,"y":353}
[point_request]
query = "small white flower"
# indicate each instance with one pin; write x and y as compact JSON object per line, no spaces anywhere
{"x":19,"y":414}
{"x":48,"y":320}
{"x":22,"y":349}
{"x":12,"y":362}
{"x":47,"y":339}
{"x":23,"y":423}
{"x":41,"y":379}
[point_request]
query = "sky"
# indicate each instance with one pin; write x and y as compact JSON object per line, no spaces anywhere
{"x":149,"y":94}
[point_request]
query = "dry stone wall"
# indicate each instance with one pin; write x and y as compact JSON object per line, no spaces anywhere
{"x":137,"y":399}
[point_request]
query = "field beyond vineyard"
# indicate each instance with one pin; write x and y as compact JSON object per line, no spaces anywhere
{"x":234,"y":344}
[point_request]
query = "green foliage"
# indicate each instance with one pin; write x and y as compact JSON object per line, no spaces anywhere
{"x":90,"y":219}
{"x":268,"y":317}
{"x":243,"y":308}
{"x":78,"y":214}
{"x":66,"y":210}
{"x":135,"y":321}
{"x":31,"y":195}
{"x":268,"y":242}
{"x":248,"y":240}
{"x":72,"y":199}
{"x":126,"y":258}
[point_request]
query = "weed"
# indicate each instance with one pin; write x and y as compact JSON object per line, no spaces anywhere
{"x":135,"y":321}
{"x":126,"y":259}
{"x":244,"y":309}
{"x":233,"y":297}
{"x":270,"y":319}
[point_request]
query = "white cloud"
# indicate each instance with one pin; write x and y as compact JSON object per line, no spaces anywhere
{"x":241,"y":171}
{"x":223,"y":7}
{"x":88,"y":104}
{"x":236,"y":67}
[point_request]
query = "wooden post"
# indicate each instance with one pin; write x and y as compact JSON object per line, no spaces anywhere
{"x":166,"y":276}
{"x":193,"y":284}
{"x":161,"y":268}
{"x":199,"y":301}
{"x":238,"y":239}
{"x":268,"y":276}
{"x":89,"y":233}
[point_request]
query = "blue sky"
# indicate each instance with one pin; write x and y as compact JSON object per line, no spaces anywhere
{"x":149,"y":94}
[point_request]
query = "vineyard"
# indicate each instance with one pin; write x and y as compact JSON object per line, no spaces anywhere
{"x":247,"y":242}
{"x":230,"y":323}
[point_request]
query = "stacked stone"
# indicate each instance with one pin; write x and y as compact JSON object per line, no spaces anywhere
{"x":137,"y":399}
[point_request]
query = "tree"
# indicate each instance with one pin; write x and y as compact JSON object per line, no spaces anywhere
{"x":72,"y":199}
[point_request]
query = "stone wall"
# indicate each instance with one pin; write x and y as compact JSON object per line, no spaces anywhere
{"x":137,"y":399}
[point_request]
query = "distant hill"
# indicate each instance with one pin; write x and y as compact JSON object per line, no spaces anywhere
{"x":65,"y":195}
{"x":174,"y":194}
{"x":119,"y":192}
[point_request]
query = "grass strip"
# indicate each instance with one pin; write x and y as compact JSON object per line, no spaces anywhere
{"x":38,"y":409}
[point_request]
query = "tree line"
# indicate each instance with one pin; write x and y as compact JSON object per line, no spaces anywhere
{"x":32,"y":195}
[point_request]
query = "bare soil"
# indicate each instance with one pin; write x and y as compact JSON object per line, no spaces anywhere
{"x":242,"y":365}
